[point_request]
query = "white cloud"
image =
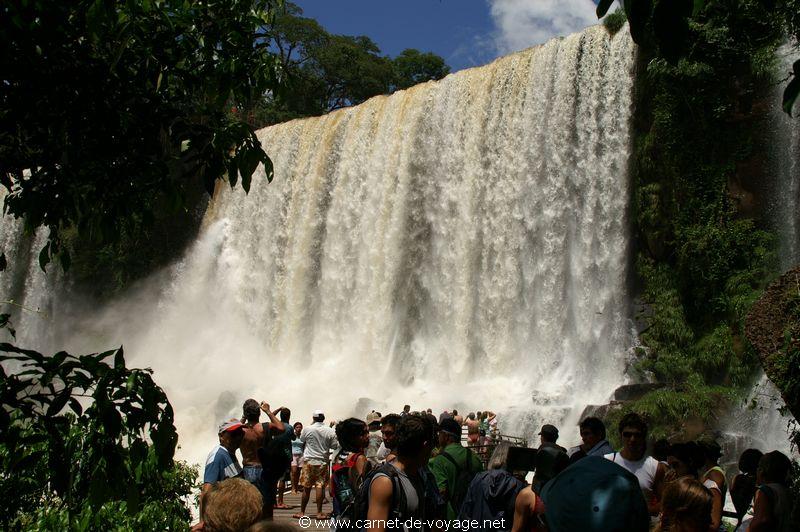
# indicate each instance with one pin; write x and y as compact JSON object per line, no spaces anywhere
{"x":524,"y":23}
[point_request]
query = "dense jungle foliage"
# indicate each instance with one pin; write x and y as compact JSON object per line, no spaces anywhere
{"x":87,"y":444}
{"x":705,"y":252}
{"x":161,"y":124}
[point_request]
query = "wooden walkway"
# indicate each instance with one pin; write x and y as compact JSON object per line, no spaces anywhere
{"x":293,"y":501}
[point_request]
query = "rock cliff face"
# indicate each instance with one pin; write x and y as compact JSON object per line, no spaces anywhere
{"x":773,"y":327}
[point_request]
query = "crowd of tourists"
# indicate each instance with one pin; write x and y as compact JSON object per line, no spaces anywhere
{"x":414,"y":471}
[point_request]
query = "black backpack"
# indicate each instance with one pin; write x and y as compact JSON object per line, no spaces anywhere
{"x":464,"y":478}
{"x":352,"y":503}
{"x":273,"y":457}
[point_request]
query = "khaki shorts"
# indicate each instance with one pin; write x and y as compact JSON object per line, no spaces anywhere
{"x":313,"y":475}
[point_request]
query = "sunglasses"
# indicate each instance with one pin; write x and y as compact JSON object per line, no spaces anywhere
{"x":630,"y":434}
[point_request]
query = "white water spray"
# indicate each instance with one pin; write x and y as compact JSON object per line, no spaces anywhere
{"x":462,"y":243}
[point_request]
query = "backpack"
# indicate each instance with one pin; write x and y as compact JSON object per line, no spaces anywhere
{"x":345,"y":486}
{"x":272,"y":456}
{"x":463,"y":480}
{"x":351,"y":502}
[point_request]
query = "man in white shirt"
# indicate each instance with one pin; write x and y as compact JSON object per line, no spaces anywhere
{"x":319,"y":441}
{"x":651,"y":473}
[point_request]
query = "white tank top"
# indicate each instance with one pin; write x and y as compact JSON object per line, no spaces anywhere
{"x":644,"y":469}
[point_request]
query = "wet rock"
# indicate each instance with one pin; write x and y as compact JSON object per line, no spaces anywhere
{"x":631,"y":392}
{"x":600,"y":411}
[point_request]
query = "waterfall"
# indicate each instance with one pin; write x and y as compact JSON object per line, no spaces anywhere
{"x":784,"y":164}
{"x":760,"y":423}
{"x":461,"y":243}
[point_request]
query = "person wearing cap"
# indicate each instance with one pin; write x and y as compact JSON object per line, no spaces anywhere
{"x":548,"y":437}
{"x":221,"y":463}
{"x":319,"y":441}
{"x":448,"y":465}
{"x":652,"y":474}
{"x":551,"y":458}
{"x":375,"y":438}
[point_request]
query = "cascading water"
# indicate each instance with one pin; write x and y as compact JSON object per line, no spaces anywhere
{"x":462,"y":243}
{"x":784,"y":164}
{"x":761,"y":424}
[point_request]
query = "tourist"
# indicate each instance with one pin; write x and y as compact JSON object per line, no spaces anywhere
{"x":257,"y":436}
{"x":319,"y":441}
{"x":685,"y":459}
{"x":743,"y":485}
{"x":445,"y":415}
{"x":353,"y":437}
{"x":592,"y":495}
{"x":297,"y":456}
{"x":386,"y":452}
{"x":404,"y":489}
{"x":528,"y":512}
{"x":492,"y":493}
{"x":407,"y":410}
{"x":685,"y":507}
{"x":459,"y":418}
{"x":772,"y":507}
{"x":660,"y":450}
{"x":492,"y":431}
{"x":483,"y":427}
{"x":548,"y":437}
{"x":593,"y":434}
{"x":375,"y":438}
{"x":551,"y":458}
{"x":231,"y":505}
{"x":454,"y":466}
{"x":221,"y":463}
{"x":473,"y":430}
{"x":714,"y":479}
{"x":651,"y":473}
{"x":284,"y":442}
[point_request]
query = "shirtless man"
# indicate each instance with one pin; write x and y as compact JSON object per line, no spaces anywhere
{"x":255,"y":437}
{"x":472,"y":429}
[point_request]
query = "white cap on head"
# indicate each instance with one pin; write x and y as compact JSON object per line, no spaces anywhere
{"x":318,"y":413}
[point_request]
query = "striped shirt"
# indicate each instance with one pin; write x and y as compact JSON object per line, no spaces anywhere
{"x":220,"y":465}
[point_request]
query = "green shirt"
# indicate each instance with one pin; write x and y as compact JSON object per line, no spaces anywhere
{"x":446,"y":473}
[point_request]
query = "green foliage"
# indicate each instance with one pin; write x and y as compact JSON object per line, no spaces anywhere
{"x":668,"y":410}
{"x":324,"y":71}
{"x":110,"y":108}
{"x":670,"y":27}
{"x":615,"y":21}
{"x":88,"y":437}
{"x":412,"y":67}
{"x":784,"y":368}
{"x":169,"y":513}
{"x":704,"y":258}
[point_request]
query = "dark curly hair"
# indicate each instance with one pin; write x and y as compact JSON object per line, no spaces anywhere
{"x":348,"y":433}
{"x":251,"y":410}
{"x":412,"y":433}
{"x":634,"y":421}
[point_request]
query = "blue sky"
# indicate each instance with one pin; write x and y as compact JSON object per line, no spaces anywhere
{"x":465,"y":32}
